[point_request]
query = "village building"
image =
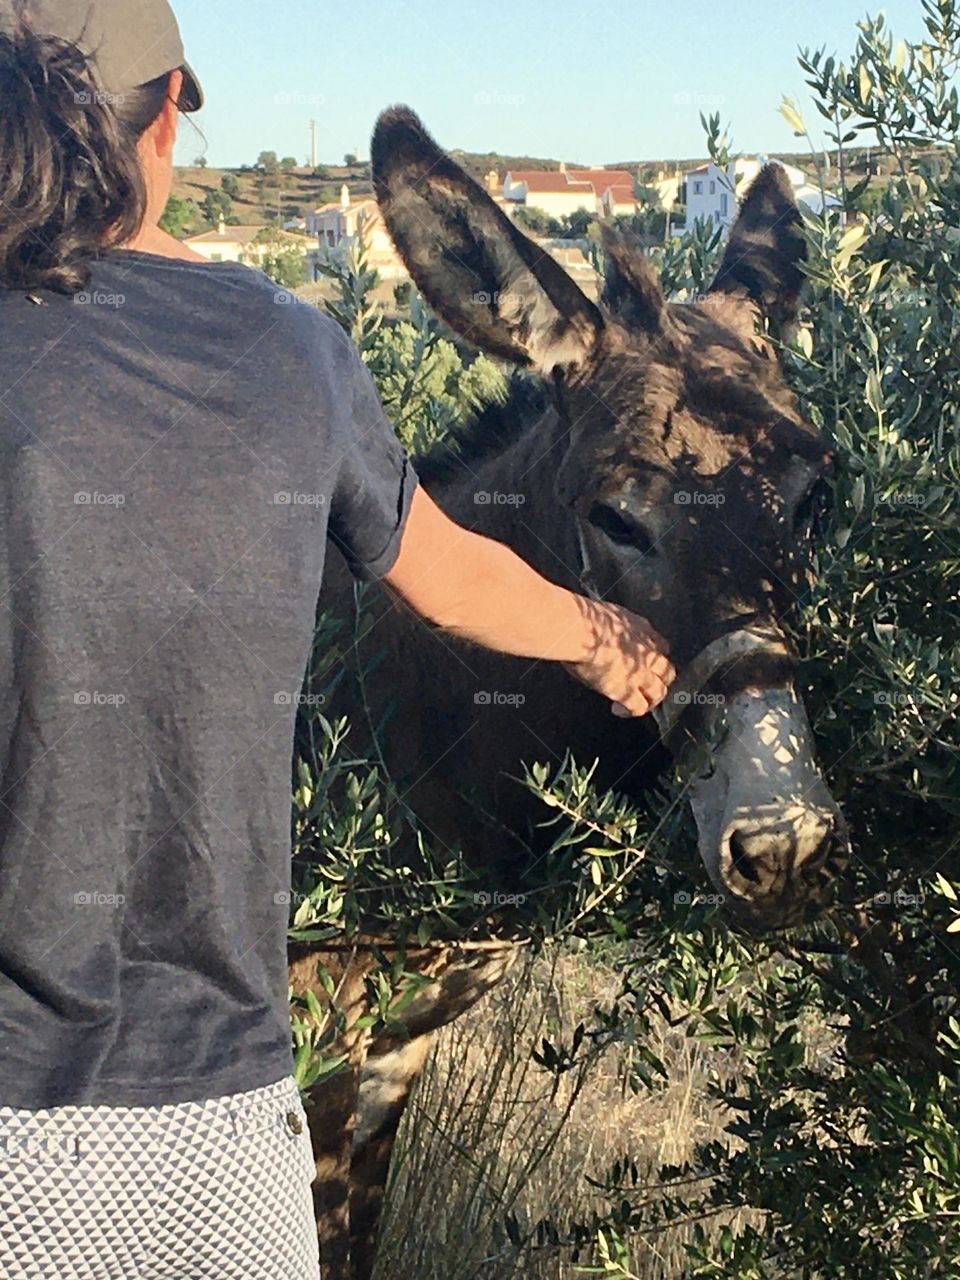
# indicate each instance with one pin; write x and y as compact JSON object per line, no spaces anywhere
{"x":713,"y":193}
{"x":558,"y":193}
{"x":228,"y":243}
{"x":337,"y":225}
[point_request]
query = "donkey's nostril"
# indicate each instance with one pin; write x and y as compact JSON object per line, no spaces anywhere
{"x":767,"y":854}
{"x":742,"y":858}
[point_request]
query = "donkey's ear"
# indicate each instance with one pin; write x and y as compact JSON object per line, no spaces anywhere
{"x":631,"y":288}
{"x":491,"y":284}
{"x":764,"y":257}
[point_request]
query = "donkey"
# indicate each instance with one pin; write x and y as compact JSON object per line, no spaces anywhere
{"x":661,"y":461}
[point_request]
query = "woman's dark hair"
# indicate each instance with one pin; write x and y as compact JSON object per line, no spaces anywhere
{"x":70,"y":180}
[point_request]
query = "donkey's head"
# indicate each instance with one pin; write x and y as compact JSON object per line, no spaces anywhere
{"x":684,"y":473}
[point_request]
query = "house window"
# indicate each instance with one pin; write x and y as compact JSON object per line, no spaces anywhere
{"x":698,"y":188}
{"x":713,"y":188}
{"x":723,"y":205}
{"x":216,"y":257}
{"x":331,"y":239}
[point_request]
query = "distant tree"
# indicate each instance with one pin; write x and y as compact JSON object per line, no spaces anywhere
{"x":350,"y":160}
{"x":321,"y":172}
{"x":649,"y":220}
{"x":201,"y":162}
{"x":181,"y":217}
{"x":537,"y":221}
{"x":267,"y":162}
{"x":230,"y":184}
{"x":278,"y":256}
{"x":288,"y":162}
{"x":216,"y":205}
{"x":573,"y":226}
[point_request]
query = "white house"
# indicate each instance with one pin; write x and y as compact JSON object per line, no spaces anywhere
{"x":225,"y":244}
{"x":713,"y":193}
{"x":337,"y":224}
{"x":561,"y":192}
{"x":246,"y":244}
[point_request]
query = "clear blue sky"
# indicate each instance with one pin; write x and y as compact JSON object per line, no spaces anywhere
{"x":623,"y":80}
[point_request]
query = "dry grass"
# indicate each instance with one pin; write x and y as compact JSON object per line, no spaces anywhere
{"x":485,"y":1137}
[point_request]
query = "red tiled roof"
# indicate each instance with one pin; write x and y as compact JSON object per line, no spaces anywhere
{"x":576,"y":181}
{"x":549,"y":180}
{"x":603,"y":178}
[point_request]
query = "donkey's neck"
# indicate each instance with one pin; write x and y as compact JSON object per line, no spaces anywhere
{"x":511,"y":495}
{"x":522,"y":508}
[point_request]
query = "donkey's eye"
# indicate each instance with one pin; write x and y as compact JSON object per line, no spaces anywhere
{"x":620,"y":528}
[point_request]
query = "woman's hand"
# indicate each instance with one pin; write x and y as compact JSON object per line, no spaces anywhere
{"x":482,"y":591}
{"x":629,"y":664}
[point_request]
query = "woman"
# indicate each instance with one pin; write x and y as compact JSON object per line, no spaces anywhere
{"x":176,"y":447}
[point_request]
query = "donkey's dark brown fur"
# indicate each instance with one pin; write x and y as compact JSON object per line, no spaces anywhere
{"x":653,"y":451}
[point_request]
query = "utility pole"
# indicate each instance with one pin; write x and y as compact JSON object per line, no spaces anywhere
{"x":313,"y":144}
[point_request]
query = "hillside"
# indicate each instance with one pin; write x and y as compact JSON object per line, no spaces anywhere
{"x":295,"y":192}
{"x":298,"y":192}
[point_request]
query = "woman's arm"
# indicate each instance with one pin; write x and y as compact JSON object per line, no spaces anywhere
{"x":479,"y":589}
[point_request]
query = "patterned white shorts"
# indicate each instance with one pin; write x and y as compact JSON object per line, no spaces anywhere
{"x":190,"y":1191}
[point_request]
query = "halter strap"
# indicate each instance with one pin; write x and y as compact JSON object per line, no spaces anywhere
{"x":734,"y":644}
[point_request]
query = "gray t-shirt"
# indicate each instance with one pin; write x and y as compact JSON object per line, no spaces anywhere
{"x":176,"y":446}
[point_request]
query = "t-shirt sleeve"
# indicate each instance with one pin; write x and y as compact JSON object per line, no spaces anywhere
{"x":374,"y":480}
